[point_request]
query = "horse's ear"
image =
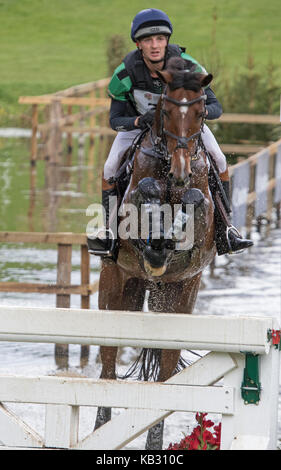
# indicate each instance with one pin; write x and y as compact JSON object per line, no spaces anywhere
{"x":206,"y":79}
{"x":165,"y":76}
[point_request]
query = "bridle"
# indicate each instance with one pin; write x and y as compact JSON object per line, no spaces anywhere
{"x":159,"y":142}
{"x":182,"y":142}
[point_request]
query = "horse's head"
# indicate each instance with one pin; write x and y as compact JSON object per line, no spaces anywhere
{"x":182,"y":111}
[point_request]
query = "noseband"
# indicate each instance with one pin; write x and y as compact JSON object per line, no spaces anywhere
{"x":182,"y":142}
{"x":159,"y":142}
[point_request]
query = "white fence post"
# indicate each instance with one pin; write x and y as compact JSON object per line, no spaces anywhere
{"x":253,"y":426}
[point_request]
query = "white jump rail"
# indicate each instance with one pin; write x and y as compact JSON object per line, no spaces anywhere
{"x":251,"y":426}
{"x":123,"y":328}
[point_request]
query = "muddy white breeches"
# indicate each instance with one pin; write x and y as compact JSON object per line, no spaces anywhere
{"x":123,"y":141}
{"x":213,"y":148}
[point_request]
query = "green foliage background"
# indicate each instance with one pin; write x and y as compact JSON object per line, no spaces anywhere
{"x":46,"y":45}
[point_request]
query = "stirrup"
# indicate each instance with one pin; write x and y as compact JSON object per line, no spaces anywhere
{"x":103,"y":246}
{"x":236,"y":232}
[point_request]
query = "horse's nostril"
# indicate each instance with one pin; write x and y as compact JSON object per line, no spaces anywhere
{"x":170,"y":175}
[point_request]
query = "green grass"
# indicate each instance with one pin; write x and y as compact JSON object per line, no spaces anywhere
{"x":47,"y":45}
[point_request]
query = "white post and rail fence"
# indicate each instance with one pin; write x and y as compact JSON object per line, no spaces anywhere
{"x":238,"y":378}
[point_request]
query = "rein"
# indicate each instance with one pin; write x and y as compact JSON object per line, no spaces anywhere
{"x":182,"y":142}
{"x":159,"y":143}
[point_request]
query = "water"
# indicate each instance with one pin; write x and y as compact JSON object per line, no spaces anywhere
{"x":58,"y":198}
{"x":247,"y":283}
{"x":243,"y":284}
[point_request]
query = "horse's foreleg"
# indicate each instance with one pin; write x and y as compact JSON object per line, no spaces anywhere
{"x":110,"y":295}
{"x":154,"y":440}
{"x":187,"y":300}
{"x":108,"y":358}
{"x":168,"y":364}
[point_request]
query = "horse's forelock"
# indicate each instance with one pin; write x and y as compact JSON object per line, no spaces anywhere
{"x":181,"y":77}
{"x":175,"y":63}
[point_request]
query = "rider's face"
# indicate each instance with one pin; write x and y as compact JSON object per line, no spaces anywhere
{"x":153,"y":47}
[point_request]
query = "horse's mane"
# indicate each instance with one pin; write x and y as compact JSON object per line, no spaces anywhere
{"x":188,"y":80}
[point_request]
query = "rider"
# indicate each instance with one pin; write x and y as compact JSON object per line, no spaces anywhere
{"x":134,"y":89}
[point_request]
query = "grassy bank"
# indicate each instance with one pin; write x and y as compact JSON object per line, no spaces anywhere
{"x":48,"y":45}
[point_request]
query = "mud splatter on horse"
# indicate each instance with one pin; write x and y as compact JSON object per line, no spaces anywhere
{"x":170,"y":168}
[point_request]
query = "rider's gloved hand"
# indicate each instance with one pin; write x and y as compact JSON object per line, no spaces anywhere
{"x":146,"y":120}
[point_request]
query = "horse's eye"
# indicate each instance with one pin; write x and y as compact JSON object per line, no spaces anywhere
{"x":166,"y":113}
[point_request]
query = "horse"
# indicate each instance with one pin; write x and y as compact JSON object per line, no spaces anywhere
{"x":170,"y":167}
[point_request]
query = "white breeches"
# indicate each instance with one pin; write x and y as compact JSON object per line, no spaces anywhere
{"x":213,"y":148}
{"x":123,"y":141}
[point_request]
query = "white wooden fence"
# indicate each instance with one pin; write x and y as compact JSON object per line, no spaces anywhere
{"x":231,"y":341}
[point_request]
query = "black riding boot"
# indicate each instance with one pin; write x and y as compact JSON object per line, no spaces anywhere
{"x":104,"y":241}
{"x":228,"y":239}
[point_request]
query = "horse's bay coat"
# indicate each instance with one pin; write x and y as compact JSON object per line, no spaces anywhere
{"x":171,"y":276}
